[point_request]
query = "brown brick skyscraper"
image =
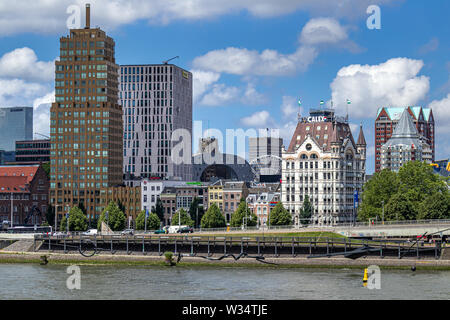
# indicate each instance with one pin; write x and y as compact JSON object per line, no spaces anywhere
{"x":86,"y":121}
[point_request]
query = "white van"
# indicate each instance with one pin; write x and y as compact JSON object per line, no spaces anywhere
{"x":174,"y":229}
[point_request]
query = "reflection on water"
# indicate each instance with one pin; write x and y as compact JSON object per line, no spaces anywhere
{"x":26,"y":281}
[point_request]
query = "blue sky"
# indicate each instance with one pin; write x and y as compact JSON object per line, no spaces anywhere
{"x":319,"y":51}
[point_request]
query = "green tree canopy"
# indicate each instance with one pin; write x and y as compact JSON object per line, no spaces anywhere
{"x":183,"y":217}
{"x":153,"y":222}
{"x":77,"y":220}
{"x":237,"y":218}
{"x":159,"y":209}
{"x":381,"y":187}
{"x":213,"y":218}
{"x":194,"y":208}
{"x":435,"y":206}
{"x":116,"y":218}
{"x":400,"y":207}
{"x":306,"y":211}
{"x":279,"y":216}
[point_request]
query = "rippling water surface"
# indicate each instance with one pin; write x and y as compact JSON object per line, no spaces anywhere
{"x":26,"y":281}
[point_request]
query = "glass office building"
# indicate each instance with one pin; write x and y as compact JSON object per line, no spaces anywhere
{"x":15,"y":124}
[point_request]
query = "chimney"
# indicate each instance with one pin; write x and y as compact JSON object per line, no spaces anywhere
{"x":88,"y":16}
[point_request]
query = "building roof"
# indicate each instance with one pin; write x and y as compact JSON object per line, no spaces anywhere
{"x":405,"y":132}
{"x":324,"y":133}
{"x":19,"y":171}
{"x":394,"y":113}
{"x":11,"y":184}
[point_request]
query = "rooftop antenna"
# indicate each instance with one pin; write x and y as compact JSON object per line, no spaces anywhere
{"x":88,"y":16}
{"x":167,"y":61}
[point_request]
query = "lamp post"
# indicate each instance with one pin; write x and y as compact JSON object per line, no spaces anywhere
{"x":382,"y":203}
{"x":12,"y":211}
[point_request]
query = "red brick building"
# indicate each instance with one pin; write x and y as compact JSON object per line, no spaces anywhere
{"x":24,"y":189}
{"x":385,"y":123}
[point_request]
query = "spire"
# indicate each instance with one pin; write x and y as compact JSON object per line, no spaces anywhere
{"x":405,"y":127}
{"x":361,"y":139}
{"x":334,"y":137}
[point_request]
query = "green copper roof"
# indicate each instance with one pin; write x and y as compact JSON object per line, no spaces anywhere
{"x":395,"y":113}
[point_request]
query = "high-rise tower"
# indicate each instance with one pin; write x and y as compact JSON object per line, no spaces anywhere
{"x":86,"y":121}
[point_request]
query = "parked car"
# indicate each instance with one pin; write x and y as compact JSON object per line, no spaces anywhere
{"x":160,"y":231}
{"x":90,"y":232}
{"x":185,"y":230}
{"x":127,"y":232}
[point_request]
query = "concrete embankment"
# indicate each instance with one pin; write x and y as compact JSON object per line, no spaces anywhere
{"x":280,"y":262}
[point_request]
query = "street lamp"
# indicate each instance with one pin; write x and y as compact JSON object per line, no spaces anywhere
{"x":382,"y":203}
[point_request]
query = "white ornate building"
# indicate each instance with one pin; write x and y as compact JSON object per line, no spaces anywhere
{"x":324,"y":162}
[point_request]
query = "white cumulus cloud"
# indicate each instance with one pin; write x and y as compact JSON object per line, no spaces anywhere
{"x":392,"y":83}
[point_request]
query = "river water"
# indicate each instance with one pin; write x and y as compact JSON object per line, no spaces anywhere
{"x":29,"y":281}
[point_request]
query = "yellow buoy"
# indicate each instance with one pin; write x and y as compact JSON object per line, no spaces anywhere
{"x":365,"y":277}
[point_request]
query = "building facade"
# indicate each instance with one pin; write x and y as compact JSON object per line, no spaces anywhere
{"x":404,"y":145}
{"x":324,"y":162}
{"x":265,"y":154}
{"x":24,"y":189}
{"x":32,"y":151}
{"x":262,"y":204}
{"x":387,"y":119}
{"x":157,"y":100}
{"x":86,"y":128}
{"x":15,"y":124}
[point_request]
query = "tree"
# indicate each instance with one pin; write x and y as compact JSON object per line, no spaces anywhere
{"x":306,"y":211}
{"x":77,"y":220}
{"x":400,"y":207}
{"x":182,"y":217}
{"x":116,"y":218}
{"x":153,"y":222}
{"x":159,"y":209}
{"x":50,"y":215}
{"x":436,"y":206}
{"x":213,"y":218}
{"x":279,"y":216}
{"x":237,"y":218}
{"x":194,"y":209}
{"x":46,"y":167}
{"x":381,"y":187}
{"x":419,"y":176}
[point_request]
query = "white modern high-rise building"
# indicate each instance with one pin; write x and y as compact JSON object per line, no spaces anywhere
{"x":325,"y":163}
{"x":265,"y":154}
{"x":156,"y":100}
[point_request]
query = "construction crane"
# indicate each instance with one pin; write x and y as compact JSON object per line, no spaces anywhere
{"x":165,"y":62}
{"x":43,"y":135}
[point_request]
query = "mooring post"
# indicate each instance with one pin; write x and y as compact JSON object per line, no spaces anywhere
{"x":417,"y":249}
{"x":65,"y":251}
{"x":328,"y":244}
{"x":257,"y":239}
{"x":192,"y":246}
{"x":143,"y":245}
{"x":224,"y":245}
{"x":310,"y":245}
{"x":175,"y":245}
{"x":293,"y":251}
{"x":276,"y":252}
{"x":242,"y":246}
{"x":111,"y":245}
{"x":49,"y":246}
{"x":127,"y":244}
{"x":159,"y":245}
{"x":435,"y":249}
{"x":399,"y":256}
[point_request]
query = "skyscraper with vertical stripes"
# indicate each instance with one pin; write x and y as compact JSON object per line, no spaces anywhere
{"x":157,"y":100}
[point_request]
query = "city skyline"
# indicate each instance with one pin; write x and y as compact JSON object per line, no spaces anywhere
{"x":323,"y":54}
